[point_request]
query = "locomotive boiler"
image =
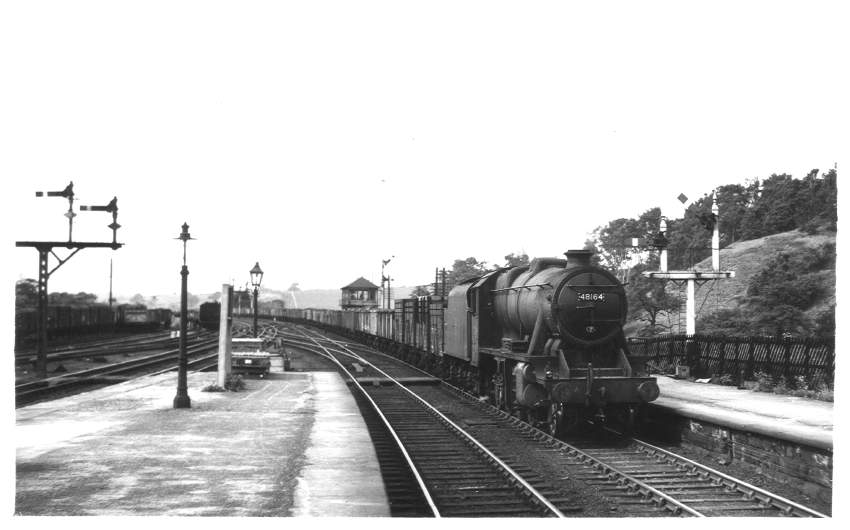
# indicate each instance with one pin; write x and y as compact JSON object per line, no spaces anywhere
{"x":546,"y":340}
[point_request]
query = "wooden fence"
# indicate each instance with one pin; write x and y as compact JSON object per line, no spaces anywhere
{"x":711,"y":355}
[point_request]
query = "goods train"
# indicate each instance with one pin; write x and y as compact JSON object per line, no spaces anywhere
{"x":544,"y":341}
{"x":209,"y":315}
{"x":64,"y":320}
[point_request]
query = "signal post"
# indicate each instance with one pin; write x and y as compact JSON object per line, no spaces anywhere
{"x":45,"y":248}
{"x":692,"y":277}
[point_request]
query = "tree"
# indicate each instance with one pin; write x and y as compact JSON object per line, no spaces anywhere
{"x":611,"y":242}
{"x":648,"y":299}
{"x":26,"y":294}
{"x":192,"y":300}
{"x":791,"y":278}
{"x":733,"y":201}
{"x":463,"y":269}
{"x":137,"y":299}
{"x":777,"y":296}
{"x":776,"y":209}
{"x":420,"y":290}
{"x":516,"y":260}
{"x":689,"y":237}
{"x":72,"y":300}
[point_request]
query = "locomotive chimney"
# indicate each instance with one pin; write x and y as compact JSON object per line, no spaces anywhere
{"x":578,"y":258}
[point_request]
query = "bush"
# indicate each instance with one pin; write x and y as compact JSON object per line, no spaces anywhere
{"x":659,"y":366}
{"x":764,"y":382}
{"x":725,"y":379}
{"x":732,"y":321}
{"x":811,"y":227}
{"x":790,"y":277}
{"x":232,"y":383}
{"x":797,"y":386}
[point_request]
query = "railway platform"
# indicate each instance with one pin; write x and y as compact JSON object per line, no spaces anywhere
{"x":789,"y":418}
{"x":786,"y":438}
{"x":293,"y":444}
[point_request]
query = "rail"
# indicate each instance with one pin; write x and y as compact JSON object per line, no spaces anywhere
{"x":785,"y":505}
{"x":442,"y":417}
{"x":432,"y":506}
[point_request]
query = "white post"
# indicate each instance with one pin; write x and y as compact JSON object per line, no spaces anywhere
{"x":663,"y":230}
{"x":690,"y":311}
{"x":715,"y":236}
{"x":224,"y":345}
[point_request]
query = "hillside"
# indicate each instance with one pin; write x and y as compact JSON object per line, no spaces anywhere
{"x":748,"y":258}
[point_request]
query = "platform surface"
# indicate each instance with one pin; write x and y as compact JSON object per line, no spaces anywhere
{"x":291,"y":445}
{"x":795,"y":419}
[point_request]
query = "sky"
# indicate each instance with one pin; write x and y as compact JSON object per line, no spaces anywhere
{"x":319,"y":138}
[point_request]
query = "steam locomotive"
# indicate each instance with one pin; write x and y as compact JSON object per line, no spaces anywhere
{"x":544,"y":341}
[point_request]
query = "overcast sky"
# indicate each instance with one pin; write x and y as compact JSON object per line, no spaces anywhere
{"x":319,"y":138}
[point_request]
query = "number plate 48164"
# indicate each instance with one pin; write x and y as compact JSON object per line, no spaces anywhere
{"x":591,"y":297}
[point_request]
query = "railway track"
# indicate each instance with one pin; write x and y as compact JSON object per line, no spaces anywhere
{"x":681,"y":483}
{"x":639,"y":479}
{"x":458,"y":476}
{"x":52,"y":387}
{"x":129,"y":344}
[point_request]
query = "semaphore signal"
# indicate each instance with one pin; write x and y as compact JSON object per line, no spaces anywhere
{"x":45,"y":249}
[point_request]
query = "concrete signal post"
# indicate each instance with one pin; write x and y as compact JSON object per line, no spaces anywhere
{"x":691,"y":277}
{"x":224,"y":334}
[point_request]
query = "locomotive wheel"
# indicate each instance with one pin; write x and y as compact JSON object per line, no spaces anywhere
{"x":555,"y":420}
{"x":564,"y":420}
{"x":630,"y":420}
{"x":499,"y":396}
{"x":626,"y":419}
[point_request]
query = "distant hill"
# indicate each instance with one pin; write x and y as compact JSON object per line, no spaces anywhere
{"x":313,"y":298}
{"x":320,"y":298}
{"x":748,"y":258}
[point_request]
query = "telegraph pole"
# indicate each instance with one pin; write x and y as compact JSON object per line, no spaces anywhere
{"x":45,"y":248}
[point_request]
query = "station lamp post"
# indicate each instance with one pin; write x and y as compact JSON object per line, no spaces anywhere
{"x":256,"y":279}
{"x":181,"y":400}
